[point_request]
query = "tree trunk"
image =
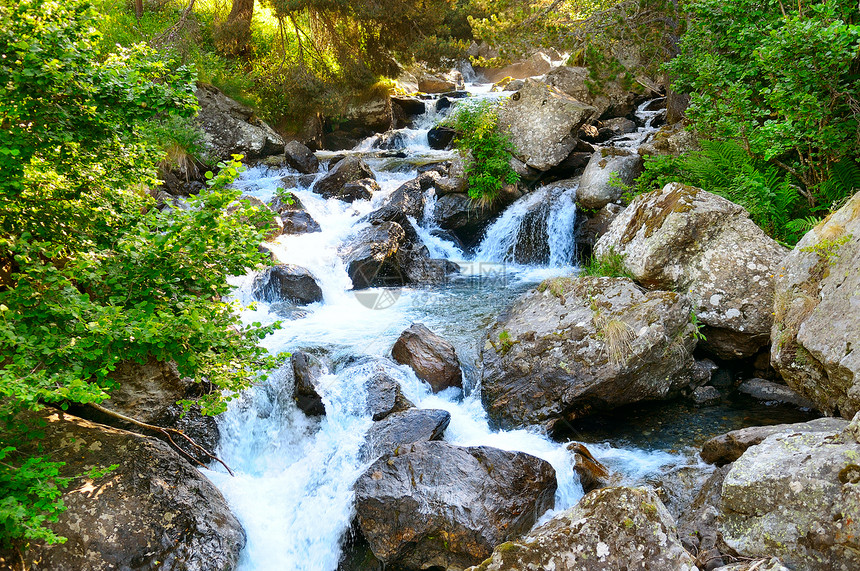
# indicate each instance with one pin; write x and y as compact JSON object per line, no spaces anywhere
{"x":138,"y":9}
{"x":238,"y":27}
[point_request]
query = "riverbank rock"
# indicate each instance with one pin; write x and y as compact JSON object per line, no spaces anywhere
{"x":536,"y":64}
{"x":409,"y":198}
{"x":611,"y":100}
{"x":148,"y":392}
{"x":726,"y":448}
{"x":599,"y":183}
{"x":685,"y":239}
{"x":436,"y":504}
{"x":348,"y":169}
{"x":796,"y":496}
{"x":770,"y":392}
{"x":431,"y":357}
{"x":575,"y":345}
{"x":543,"y":123}
{"x":402,"y":428}
{"x":153,"y":511}
{"x":287,"y":282}
{"x":608,"y":530}
{"x":816,"y":327}
{"x":301,"y":158}
{"x":434,"y":84}
{"x":232,"y":128}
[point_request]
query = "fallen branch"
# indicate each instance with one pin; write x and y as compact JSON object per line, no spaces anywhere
{"x":166,"y":432}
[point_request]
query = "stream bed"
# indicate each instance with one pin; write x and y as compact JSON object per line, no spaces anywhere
{"x":294,"y":474}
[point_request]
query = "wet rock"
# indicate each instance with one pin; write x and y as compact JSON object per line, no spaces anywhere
{"x":154,"y":511}
{"x":703,"y":372}
{"x":287,"y":282}
{"x":436,"y":504}
{"x":348,"y":169}
{"x":441,"y":138}
{"x":298,"y":181}
{"x":816,"y":332}
{"x":598,"y":186}
{"x":267,"y":219}
{"x":435,"y":84}
{"x":431,"y":357}
{"x":616,"y":127}
{"x":231,"y":128}
{"x":768,"y":391}
{"x":361,"y":189}
{"x":370,"y":256}
{"x":576,"y":345}
{"x":592,"y":474}
{"x":763,"y":564}
{"x":609,"y":529}
{"x":706,"y":396}
{"x":301,"y":158}
{"x":384,"y":396}
{"x":685,"y":239}
{"x":411,"y":106}
{"x":795,"y":496}
{"x":728,"y":447}
{"x":307,"y":370}
{"x":409,"y":198}
{"x":299,"y":222}
{"x":465,"y":217}
{"x":402,"y":428}
{"x":543,"y":123}
{"x":612,"y":100}
{"x":596,"y":225}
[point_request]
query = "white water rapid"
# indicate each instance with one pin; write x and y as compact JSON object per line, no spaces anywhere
{"x":294,"y":474}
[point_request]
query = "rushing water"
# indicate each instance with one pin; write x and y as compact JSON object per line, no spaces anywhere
{"x":294,"y":474}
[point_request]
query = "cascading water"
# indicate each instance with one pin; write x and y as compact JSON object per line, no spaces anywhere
{"x":294,"y":474}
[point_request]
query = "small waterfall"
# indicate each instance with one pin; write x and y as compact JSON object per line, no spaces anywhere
{"x":537,"y":229}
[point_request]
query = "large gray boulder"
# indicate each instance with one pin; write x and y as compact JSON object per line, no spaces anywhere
{"x":154,"y":511}
{"x":232,"y":128}
{"x":436,"y":504}
{"x":796,"y":495}
{"x":574,"y":345}
{"x":816,"y":327}
{"x":432,"y":357}
{"x":543,"y":123}
{"x":598,"y":187}
{"x":685,"y":239}
{"x":612,"y":99}
{"x":349,"y":169}
{"x":608,"y":530}
{"x":287,"y":282}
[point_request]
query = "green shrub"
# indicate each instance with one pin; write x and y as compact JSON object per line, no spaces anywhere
{"x":610,"y":265}
{"x":487,"y":149}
